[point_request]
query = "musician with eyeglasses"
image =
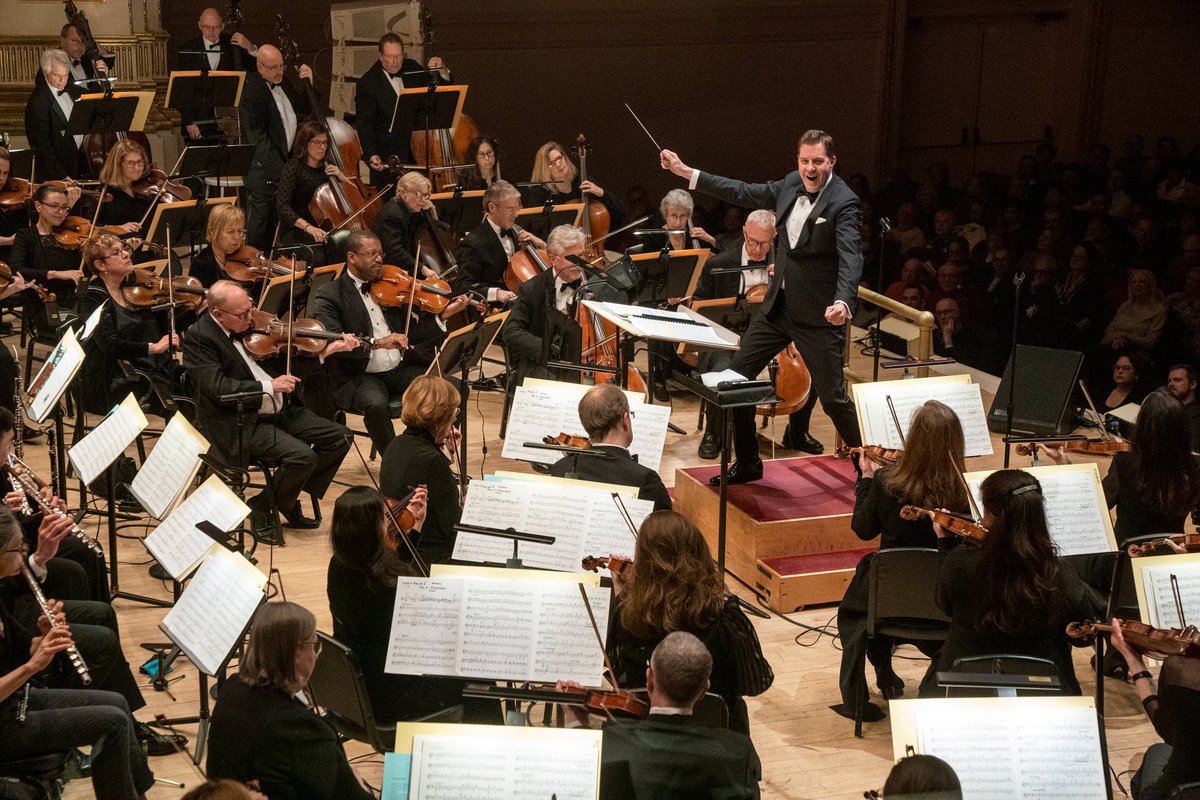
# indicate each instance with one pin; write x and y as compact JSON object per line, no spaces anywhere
{"x":485,"y":251}
{"x":212,"y":50}
{"x":304,"y":173}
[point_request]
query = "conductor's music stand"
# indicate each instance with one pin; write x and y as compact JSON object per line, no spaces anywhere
{"x":461,"y":351}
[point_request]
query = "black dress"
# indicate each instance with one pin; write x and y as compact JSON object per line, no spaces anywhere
{"x":123,"y":334}
{"x":1173,"y":711}
{"x":1135,"y":517}
{"x":204,"y":267}
{"x":412,"y":459}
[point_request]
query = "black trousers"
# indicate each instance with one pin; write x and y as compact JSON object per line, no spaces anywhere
{"x":821,"y":348}
{"x":372,"y":396}
{"x":260,"y":213}
{"x":305,"y":451}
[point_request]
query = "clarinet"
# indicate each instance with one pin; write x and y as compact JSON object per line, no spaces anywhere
{"x":18,"y":411}
{"x":52,"y":441}
{"x":29,"y":483}
{"x":72,"y":652}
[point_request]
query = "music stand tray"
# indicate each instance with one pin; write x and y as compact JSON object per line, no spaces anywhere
{"x":275,"y":293}
{"x":98,"y":113}
{"x":187,"y":218}
{"x":462,"y":211}
{"x":320,"y":276}
{"x":428,"y":108}
{"x":186,"y":88}
{"x":676,"y":275}
{"x":464,"y":347}
{"x":218,"y":160}
{"x":540,"y":220}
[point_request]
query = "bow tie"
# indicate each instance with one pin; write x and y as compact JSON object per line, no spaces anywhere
{"x":365,"y":288}
{"x":756,"y":263}
{"x":215,"y":47}
{"x":275,"y":86}
{"x":812,"y":196}
{"x":60,"y":92}
{"x":575,"y":284}
{"x":75,"y":62}
{"x":509,"y":232}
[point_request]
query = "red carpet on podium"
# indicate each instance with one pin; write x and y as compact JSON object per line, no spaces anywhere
{"x":791,"y":488}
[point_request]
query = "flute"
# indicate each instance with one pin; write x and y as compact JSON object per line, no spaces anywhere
{"x":29,"y":484}
{"x":72,"y":652}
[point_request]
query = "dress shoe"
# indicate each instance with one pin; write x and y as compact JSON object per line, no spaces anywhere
{"x":804,"y":442}
{"x":890,"y":684}
{"x":294,"y":518}
{"x":740,"y":473}
{"x":710,"y":446}
{"x":265,"y":530}
{"x":660,"y":392}
{"x":158,"y":744}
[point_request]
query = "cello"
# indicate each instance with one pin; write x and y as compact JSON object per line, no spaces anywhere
{"x":792,"y":383}
{"x":596,"y":221}
{"x":334,"y":205}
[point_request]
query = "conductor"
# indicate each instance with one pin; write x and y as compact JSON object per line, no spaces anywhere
{"x":812,"y":293}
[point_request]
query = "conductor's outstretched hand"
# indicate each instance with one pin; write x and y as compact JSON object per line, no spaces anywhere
{"x":672,"y":163}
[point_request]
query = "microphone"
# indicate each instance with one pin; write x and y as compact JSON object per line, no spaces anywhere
{"x":240,"y":397}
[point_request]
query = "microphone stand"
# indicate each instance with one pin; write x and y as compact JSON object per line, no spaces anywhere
{"x":1018,"y":279}
{"x":885,"y":225}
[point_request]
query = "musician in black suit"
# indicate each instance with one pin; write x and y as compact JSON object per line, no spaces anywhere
{"x":304,"y":449}
{"x":212,"y":50}
{"x":271,"y":108}
{"x":375,"y":101}
{"x":604,"y":412}
{"x":542,"y":326}
{"x":484,"y":253}
{"x":814,"y":289}
{"x":46,"y":114}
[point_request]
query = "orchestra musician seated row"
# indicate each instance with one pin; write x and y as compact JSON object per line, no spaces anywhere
{"x":40,"y":259}
{"x":483,"y":154}
{"x":400,"y":220}
{"x":557,"y":180}
{"x":225,"y":233}
{"x":485,"y":252}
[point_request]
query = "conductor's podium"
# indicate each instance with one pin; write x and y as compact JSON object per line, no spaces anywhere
{"x":788,"y":535}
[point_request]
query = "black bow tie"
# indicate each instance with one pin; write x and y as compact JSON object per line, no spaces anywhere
{"x":61,"y":92}
{"x":756,"y":263}
{"x":75,"y":62}
{"x":215,"y":47}
{"x":812,"y":196}
{"x":509,"y":232}
{"x":575,"y":284}
{"x":274,"y":86}
{"x":365,"y":288}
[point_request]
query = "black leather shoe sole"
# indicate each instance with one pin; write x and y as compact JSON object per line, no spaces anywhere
{"x":808,"y":444}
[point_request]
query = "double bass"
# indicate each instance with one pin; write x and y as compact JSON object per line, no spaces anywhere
{"x":596,"y":221}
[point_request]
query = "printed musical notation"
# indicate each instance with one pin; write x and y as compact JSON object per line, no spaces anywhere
{"x":170,"y":467}
{"x":875,"y":418}
{"x":177,"y":544}
{"x":92,"y":454}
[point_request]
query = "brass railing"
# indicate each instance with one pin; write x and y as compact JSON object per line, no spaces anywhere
{"x":922,"y":319}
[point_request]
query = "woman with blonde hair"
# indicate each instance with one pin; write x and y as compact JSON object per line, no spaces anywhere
{"x":1140,"y":320}
{"x":560,"y":183}
{"x":226,"y":233}
{"x":127,"y":162}
{"x":402,"y":218}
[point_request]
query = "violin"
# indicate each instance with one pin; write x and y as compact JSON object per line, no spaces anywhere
{"x":603,"y":702}
{"x":156,"y":184}
{"x":960,"y":525}
{"x":6,"y":279}
{"x":876,"y":452}
{"x":1092,"y":446}
{"x":268,"y":335}
{"x":615,"y":564}
{"x":398,"y":521}
{"x":1144,"y":638}
{"x":568,"y":440}
{"x":1188,"y":541}
{"x":15,"y":194}
{"x":248,"y":264}
{"x":74,"y":231}
{"x":143,"y":289}
{"x":395,"y":287}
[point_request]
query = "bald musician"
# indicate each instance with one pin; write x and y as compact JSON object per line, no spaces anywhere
{"x":213,"y":50}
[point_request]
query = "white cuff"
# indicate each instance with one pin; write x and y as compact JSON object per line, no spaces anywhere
{"x":38,"y":572}
{"x":491,"y":295}
{"x":695,"y":179}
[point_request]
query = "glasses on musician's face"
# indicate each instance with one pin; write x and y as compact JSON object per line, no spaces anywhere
{"x":558,"y":160}
{"x":370,"y":255}
{"x":316,"y":644}
{"x":56,"y":208}
{"x":321,"y":143}
{"x":238,"y":315}
{"x":134,"y":162}
{"x":485,"y":155}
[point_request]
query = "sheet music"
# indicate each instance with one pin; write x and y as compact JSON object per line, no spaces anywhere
{"x":547,"y":408}
{"x":89,"y":325}
{"x":214,"y":610}
{"x":178,"y":544}
{"x":653,"y":323}
{"x":1017,"y":750}
{"x":1076,"y":512}
{"x":1160,"y":597}
{"x":504,"y":629}
{"x":450,"y":767}
{"x":875,"y":419}
{"x":60,"y":367}
{"x":92,"y":454}
{"x":169,"y":468}
{"x":583,"y":521}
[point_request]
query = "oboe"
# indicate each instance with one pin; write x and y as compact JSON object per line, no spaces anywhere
{"x":72,"y":652}
{"x":29,"y":483}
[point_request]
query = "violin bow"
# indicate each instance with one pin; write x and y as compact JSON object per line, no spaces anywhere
{"x":170,"y":301}
{"x":1104,"y":434}
{"x":95,"y":219}
{"x":608,"y":235}
{"x":895,"y":420}
{"x":625,"y":515}
{"x":1178,"y":600}
{"x":412,"y":295}
{"x":412,"y":550}
{"x":587,"y":605}
{"x":975,"y":515}
{"x":291,"y":314}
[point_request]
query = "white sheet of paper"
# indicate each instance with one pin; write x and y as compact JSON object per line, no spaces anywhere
{"x":1076,"y":512}
{"x":875,"y":419}
{"x":1160,"y":597}
{"x":500,"y":768}
{"x":547,"y":408}
{"x":501,"y":629}
{"x":92,"y":454}
{"x":169,"y":468}
{"x":211,"y":615}
{"x":583,"y":521}
{"x":63,"y":363}
{"x":653,"y":323}
{"x":711,"y":379}
{"x":89,"y":325}
{"x":177,"y":544}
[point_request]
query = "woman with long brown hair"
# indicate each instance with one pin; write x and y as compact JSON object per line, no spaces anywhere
{"x":927,"y":474}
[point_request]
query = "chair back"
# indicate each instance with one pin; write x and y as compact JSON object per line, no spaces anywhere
{"x":1186,"y":791}
{"x":900,"y":603}
{"x":338,"y":687}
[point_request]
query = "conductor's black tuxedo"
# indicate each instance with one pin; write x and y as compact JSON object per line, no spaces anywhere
{"x":46,"y":127}
{"x":191,"y":58}
{"x":481,"y":260}
{"x":824,"y":266}
{"x":374,"y":103}
{"x":615,"y":466}
{"x":305,"y":449}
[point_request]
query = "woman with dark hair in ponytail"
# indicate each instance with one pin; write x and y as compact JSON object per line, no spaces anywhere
{"x":1012,"y":594}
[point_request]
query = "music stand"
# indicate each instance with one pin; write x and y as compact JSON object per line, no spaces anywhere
{"x":733,"y":313}
{"x":320,"y":276}
{"x":461,"y":351}
{"x":120,"y":113}
{"x":427,"y":108}
{"x":21,"y":162}
{"x":540,"y":220}
{"x":187,"y":219}
{"x":217,"y":161}
{"x":278,"y":291}
{"x":673,"y":273}
{"x":461,"y":210}
{"x":187,"y":89}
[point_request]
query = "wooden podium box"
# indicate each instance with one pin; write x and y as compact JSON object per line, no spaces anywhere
{"x":788,"y":535}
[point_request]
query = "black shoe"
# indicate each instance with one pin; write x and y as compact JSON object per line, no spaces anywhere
{"x":660,"y":392}
{"x":158,"y":744}
{"x":159,"y":572}
{"x":33,"y":436}
{"x":295,"y":519}
{"x":890,"y":685}
{"x":539,"y":467}
{"x":740,"y":474}
{"x":870,"y":712}
{"x":78,"y":765}
{"x":265,"y":530}
{"x":803,"y":442}
{"x":710,"y":446}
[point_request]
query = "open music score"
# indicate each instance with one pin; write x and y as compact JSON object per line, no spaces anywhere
{"x":1156,"y":596}
{"x":544,"y":408}
{"x":92,"y":454}
{"x":1076,"y":512}
{"x":178,"y":544}
{"x":498,"y":624}
{"x":170,"y":467}
{"x":584,"y":521}
{"x":1007,"y":748}
{"x":875,"y":421}
{"x":670,"y":326}
{"x":51,"y":381}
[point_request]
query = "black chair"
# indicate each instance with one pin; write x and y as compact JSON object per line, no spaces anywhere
{"x":1000,"y":674}
{"x":1186,"y":791}
{"x":45,"y":772}
{"x":900,"y":603}
{"x":710,"y":710}
{"x":338,"y":687}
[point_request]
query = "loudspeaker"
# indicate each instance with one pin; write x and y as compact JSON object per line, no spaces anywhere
{"x":1046,"y":380}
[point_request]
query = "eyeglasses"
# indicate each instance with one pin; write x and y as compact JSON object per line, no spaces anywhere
{"x":371,"y":254}
{"x":319,"y":142}
{"x":237,"y":315}
{"x":135,"y":162}
{"x":59,"y":207}
{"x":422,"y":195}
{"x":554,"y":162}
{"x":22,"y":549}
{"x":316,"y":645}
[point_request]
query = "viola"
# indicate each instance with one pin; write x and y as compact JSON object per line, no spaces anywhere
{"x":568,"y":440}
{"x":1188,"y":541}
{"x":143,"y":289}
{"x":395,"y":287}
{"x":1144,"y":638}
{"x":615,"y":564}
{"x":1093,"y":446}
{"x":398,"y":520}
{"x":248,"y":264}
{"x":17,"y":193}
{"x":6,"y":279}
{"x":268,"y":335}
{"x":877,"y":453}
{"x":960,"y":525}
{"x":792,"y":383}
{"x":74,"y":231}
{"x":156,"y":184}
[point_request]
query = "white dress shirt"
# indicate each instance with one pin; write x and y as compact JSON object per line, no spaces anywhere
{"x":272,"y":400}
{"x":286,"y":113}
{"x":213,"y":51}
{"x":67,"y":104}
{"x":382,"y":359}
{"x":509,"y":246}
{"x":752,"y":277}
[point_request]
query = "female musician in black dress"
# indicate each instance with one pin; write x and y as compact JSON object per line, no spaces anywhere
{"x":1012,"y":594}
{"x":399,"y":223}
{"x":483,"y":154}
{"x":674,"y":585}
{"x":126,"y":163}
{"x":927,"y":474}
{"x":264,"y":727}
{"x":420,"y":456}
{"x":226,"y":233}
{"x":124,"y":333}
{"x":553,"y":167}
{"x":299,"y":180}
